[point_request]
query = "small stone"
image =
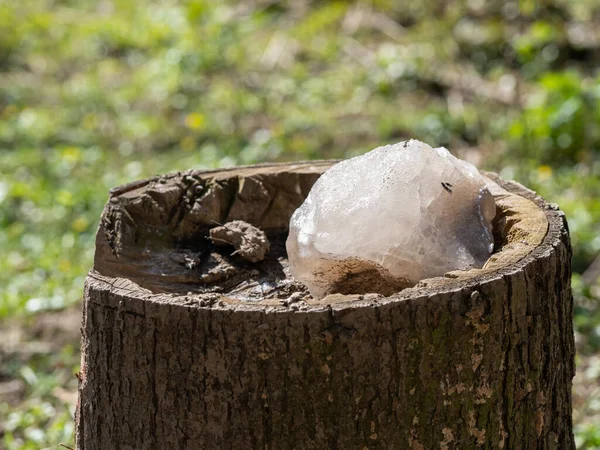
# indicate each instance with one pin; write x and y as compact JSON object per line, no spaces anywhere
{"x":216,"y":268}
{"x":384,"y":220}
{"x":250,"y":243}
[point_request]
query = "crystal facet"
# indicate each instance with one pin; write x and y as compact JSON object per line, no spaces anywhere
{"x":408,"y":210}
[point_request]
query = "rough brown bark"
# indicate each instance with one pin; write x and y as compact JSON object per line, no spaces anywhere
{"x":479,"y":359}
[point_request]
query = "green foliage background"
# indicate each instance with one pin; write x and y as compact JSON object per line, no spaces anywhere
{"x":97,"y":93}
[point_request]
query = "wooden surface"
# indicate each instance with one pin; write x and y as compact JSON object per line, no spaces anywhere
{"x":477,"y":359}
{"x":155,"y":233}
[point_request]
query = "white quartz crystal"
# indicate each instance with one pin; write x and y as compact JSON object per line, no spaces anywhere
{"x":408,"y":210}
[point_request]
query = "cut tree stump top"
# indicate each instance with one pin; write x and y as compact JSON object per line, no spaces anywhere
{"x":153,"y":238}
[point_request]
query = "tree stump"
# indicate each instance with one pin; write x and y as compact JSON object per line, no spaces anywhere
{"x":187,"y":346}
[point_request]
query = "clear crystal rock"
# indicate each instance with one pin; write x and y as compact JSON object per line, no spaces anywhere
{"x":399,"y":213}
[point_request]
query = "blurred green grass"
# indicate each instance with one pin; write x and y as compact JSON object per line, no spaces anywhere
{"x":95,"y":94}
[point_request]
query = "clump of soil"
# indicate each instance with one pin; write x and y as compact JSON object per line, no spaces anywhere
{"x":250,"y":242}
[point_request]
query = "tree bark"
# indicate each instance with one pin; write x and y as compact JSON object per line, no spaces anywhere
{"x":477,"y":359}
